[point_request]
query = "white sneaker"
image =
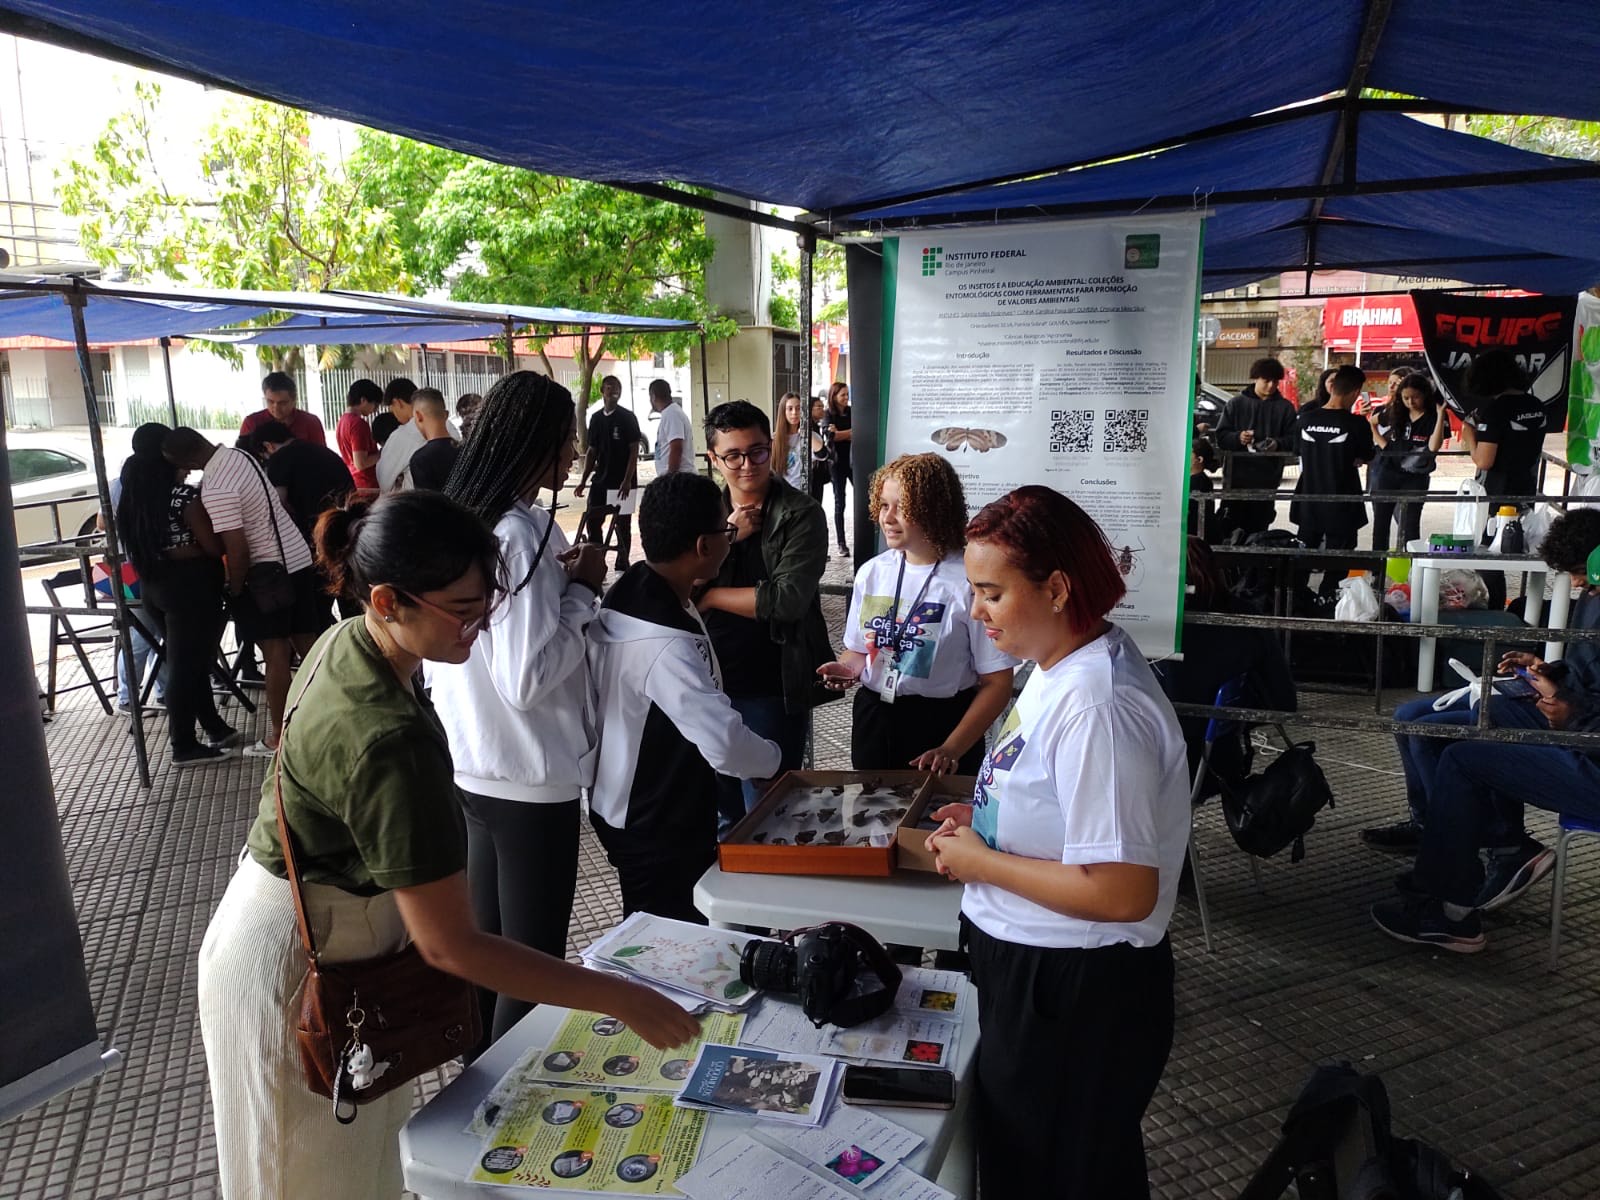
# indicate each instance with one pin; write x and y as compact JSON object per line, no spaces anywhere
{"x":260,"y":750}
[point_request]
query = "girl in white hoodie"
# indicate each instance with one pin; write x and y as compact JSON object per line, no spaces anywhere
{"x":516,"y":712}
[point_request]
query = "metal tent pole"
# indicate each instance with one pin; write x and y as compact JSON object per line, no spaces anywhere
{"x":808,"y":249}
{"x":426,"y":382}
{"x":76,"y":302}
{"x":166,"y":365}
{"x":511,"y":354}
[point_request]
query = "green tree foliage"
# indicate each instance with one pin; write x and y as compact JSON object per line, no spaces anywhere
{"x":501,"y":234}
{"x":263,"y":210}
{"x":829,"y":299}
{"x":1545,"y":135}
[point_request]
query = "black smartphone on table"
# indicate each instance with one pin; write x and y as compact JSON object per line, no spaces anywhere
{"x":899,"y":1087}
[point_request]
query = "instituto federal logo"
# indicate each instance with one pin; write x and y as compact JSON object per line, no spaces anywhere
{"x":932,"y":259}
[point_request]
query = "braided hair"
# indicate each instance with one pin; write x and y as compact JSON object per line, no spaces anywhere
{"x":144,"y":508}
{"x":518,"y":433}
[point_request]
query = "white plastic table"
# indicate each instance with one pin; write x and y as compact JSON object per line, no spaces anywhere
{"x":909,"y":907}
{"x":436,"y":1156}
{"x":1425,"y":574}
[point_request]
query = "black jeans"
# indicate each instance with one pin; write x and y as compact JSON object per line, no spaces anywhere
{"x":658,"y":870}
{"x":1097,"y":1025}
{"x":594,"y":523}
{"x":522,"y":870}
{"x":840,"y":474}
{"x":1383,"y":511}
{"x":887,"y":737}
{"x":185,"y":597}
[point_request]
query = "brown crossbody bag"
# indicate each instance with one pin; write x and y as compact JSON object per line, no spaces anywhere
{"x":369,"y":1026}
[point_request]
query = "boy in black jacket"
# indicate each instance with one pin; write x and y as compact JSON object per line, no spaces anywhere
{"x":666,"y":726}
{"x":1257,"y":421}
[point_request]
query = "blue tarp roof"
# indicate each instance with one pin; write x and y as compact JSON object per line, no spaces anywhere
{"x":832,"y":106}
{"x":116,"y":312}
{"x":1543,"y":234}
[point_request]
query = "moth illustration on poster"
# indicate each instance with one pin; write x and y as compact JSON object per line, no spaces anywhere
{"x":1064,"y":355}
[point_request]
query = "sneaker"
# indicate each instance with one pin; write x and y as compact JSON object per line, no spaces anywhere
{"x":224,"y":741}
{"x":1403,"y":837}
{"x":199,"y":756}
{"x":1423,"y":921}
{"x":844,"y":551}
{"x":151,"y":708}
{"x":1512,"y":873}
{"x":260,"y":749}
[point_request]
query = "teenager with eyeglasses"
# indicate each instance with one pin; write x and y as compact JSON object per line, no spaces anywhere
{"x":762,"y":607}
{"x":666,"y":727}
{"x":516,"y":709}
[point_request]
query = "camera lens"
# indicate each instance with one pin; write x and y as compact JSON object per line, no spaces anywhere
{"x":768,"y":966}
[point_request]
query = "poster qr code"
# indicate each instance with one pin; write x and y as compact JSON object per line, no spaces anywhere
{"x":1071,"y":430}
{"x":1127,"y":430}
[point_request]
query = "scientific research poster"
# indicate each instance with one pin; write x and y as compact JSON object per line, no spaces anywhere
{"x":1058,"y":354}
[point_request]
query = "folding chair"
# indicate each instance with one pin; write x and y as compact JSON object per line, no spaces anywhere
{"x":1571,"y":827}
{"x":64,"y":633}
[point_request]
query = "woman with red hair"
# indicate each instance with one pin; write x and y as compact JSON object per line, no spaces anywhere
{"x":1070,"y":852}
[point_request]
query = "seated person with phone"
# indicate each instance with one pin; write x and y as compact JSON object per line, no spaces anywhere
{"x":1474,"y":791}
{"x":1572,"y":540}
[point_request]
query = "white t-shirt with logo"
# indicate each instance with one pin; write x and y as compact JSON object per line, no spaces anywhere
{"x":674,"y":426}
{"x":1088,"y":767}
{"x":941,"y":649}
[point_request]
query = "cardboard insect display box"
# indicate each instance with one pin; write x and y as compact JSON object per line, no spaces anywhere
{"x":826,"y":823}
{"x":911,"y":852}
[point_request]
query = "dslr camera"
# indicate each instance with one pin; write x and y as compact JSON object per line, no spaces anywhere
{"x":841,"y":973}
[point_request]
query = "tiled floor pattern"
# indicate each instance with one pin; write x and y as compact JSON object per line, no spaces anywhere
{"x":1493,"y":1057}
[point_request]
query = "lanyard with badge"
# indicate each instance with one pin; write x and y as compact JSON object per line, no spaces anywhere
{"x":897,"y":627}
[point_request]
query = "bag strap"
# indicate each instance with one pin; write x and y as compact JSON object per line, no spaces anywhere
{"x":308,"y":940}
{"x":272,"y":512}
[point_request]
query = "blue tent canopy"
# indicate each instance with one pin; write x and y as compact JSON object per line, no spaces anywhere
{"x":914,"y":112}
{"x":132,"y":312}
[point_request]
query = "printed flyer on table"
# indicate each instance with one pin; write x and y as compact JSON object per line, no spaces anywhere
{"x":1061,"y":354}
{"x":617,"y":1143}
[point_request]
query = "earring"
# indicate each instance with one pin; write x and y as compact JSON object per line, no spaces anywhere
{"x":1054,"y":608}
{"x":390,"y":619}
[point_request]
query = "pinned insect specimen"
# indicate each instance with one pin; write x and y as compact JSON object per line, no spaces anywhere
{"x":825,"y":816}
{"x":780,"y":841}
{"x":834,"y":837}
{"x":805,"y":837}
{"x":955,"y":437}
{"x":759,"y":836}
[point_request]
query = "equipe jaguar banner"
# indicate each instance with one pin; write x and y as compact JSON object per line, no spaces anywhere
{"x":1537,"y":329}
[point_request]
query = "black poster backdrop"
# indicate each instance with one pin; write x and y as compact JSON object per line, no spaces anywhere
{"x":1537,"y":329}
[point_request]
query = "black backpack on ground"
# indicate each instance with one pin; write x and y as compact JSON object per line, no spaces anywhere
{"x":1337,"y":1144}
{"x":1278,"y":807}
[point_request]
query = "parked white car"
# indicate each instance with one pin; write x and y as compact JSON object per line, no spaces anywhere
{"x":45,"y":473}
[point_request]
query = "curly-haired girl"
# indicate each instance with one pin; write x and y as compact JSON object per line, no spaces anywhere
{"x":929,"y":676}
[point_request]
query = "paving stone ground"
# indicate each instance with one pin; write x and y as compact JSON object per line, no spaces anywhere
{"x":1490,"y":1056}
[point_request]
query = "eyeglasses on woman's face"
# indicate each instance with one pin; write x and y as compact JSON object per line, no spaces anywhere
{"x":466,"y":627}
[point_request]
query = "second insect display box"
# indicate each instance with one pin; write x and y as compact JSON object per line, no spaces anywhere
{"x":825,"y":823}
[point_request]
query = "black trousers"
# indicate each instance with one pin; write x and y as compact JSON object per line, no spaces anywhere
{"x":839,"y":472}
{"x":886,"y":737}
{"x":522,"y":871}
{"x":1073,"y":1045}
{"x":185,"y":598}
{"x":594,"y":523}
{"x":658,"y":870}
{"x":1333,"y":569}
{"x":1383,"y":511}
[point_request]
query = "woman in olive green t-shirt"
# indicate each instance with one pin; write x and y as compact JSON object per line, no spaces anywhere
{"x":369,"y":794}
